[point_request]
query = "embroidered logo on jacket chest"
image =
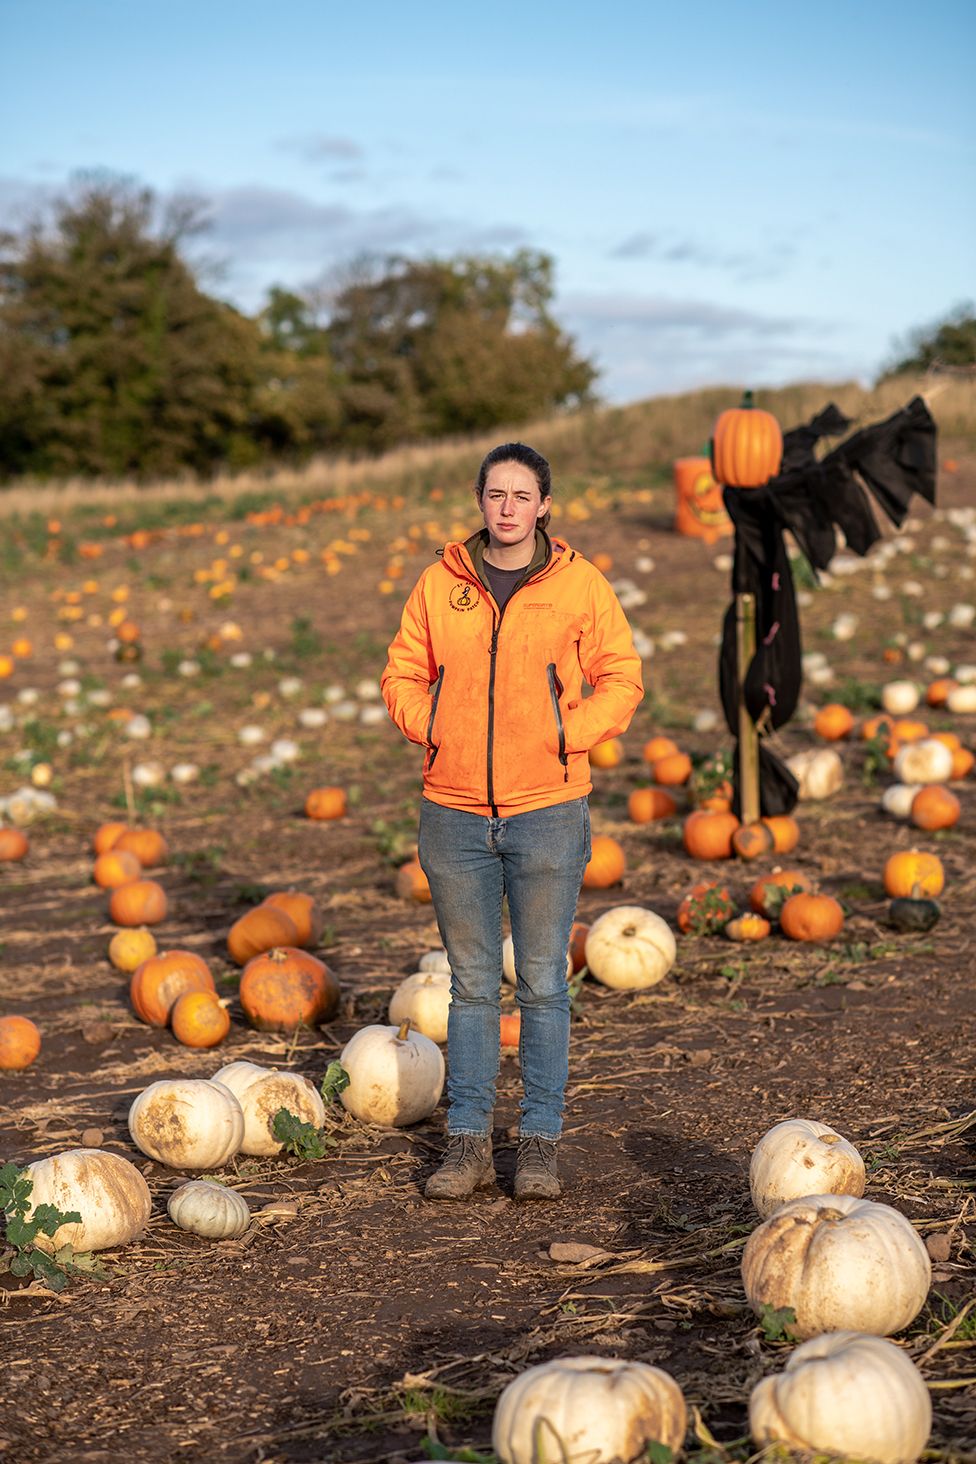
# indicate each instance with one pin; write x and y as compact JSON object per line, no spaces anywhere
{"x":464,"y":597}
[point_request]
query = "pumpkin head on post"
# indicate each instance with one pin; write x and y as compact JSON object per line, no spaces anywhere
{"x":747,"y":446}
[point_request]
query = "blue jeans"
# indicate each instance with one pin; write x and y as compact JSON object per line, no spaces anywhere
{"x":537,"y":859}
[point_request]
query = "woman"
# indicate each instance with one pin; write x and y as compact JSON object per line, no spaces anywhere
{"x":486,"y":672}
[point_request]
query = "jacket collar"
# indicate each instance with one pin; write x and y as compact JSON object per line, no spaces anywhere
{"x":463,"y":557}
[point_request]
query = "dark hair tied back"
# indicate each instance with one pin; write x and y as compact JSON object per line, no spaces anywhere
{"x":518,"y":452}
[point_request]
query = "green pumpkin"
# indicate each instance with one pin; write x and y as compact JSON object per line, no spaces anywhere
{"x":910,"y":915}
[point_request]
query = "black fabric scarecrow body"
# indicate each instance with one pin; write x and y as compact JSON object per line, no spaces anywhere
{"x":894,"y":459}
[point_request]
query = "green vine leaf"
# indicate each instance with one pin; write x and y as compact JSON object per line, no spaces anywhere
{"x":335,"y":1080}
{"x":303,"y":1140}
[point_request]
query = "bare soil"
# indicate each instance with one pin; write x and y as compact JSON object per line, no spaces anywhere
{"x":370,"y":1319}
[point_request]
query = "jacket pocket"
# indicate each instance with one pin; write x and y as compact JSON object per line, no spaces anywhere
{"x":438,"y":688}
{"x":555,"y":692}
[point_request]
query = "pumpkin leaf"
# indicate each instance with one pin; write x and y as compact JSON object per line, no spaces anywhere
{"x":433,"y":1449}
{"x":336,"y":1078}
{"x":659,"y":1453}
{"x":303,"y":1140}
{"x":776,"y":1322}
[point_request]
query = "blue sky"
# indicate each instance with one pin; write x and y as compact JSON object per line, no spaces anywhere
{"x":731,"y":194}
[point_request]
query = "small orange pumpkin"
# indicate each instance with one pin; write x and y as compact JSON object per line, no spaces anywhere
{"x":258,"y":930}
{"x":115,"y":868}
{"x":285,"y":988}
{"x":325,"y":803}
{"x":770,"y":891}
{"x":20,"y":1042}
{"x":607,"y":863}
{"x":748,"y":927}
{"x":606,"y":754}
{"x":139,"y":902}
{"x":657,"y":747}
{"x":785,"y":831}
{"x":129,"y":948}
{"x":937,"y":692}
{"x":148,"y":845}
{"x":646,"y":804}
{"x":672,"y":771}
{"x":510,"y":1028}
{"x":200,"y":1019}
{"x":158,"y":983}
{"x":577,"y":945}
{"x":107,"y":836}
{"x":751,"y":840}
{"x":811,"y":917}
{"x":962,"y":764}
{"x":302,"y":910}
{"x":833,"y":722}
{"x":747,"y":446}
{"x":14,"y":845}
{"x":706,"y":909}
{"x":708,"y":835}
{"x":412,"y":883}
{"x":908,"y":729}
{"x":877,"y":726}
{"x":934,"y":807}
{"x":911,"y":868}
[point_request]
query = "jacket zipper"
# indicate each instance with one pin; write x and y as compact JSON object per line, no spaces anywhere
{"x":496,"y":627}
{"x":433,"y":713}
{"x":555,"y":692}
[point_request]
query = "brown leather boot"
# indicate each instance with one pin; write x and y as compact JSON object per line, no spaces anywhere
{"x":467,"y":1166}
{"x":535,"y":1170}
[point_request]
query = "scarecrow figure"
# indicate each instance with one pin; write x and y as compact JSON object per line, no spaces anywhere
{"x":774,"y":483}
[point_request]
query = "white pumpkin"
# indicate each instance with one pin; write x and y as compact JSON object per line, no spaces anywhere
{"x":261,"y":1092}
{"x":802,"y":1157}
{"x":819,"y":772}
{"x":597,"y":1409}
{"x":629,"y":948}
{"x":208,"y":1209}
{"x":925,"y":761}
{"x":434,"y":961}
{"x":396,"y":1076}
{"x":508,"y":961}
{"x":899,"y":698}
{"x":962,"y":699}
{"x":897,"y":800}
{"x":107,"y":1191}
{"x":423,"y":1000}
{"x":841,"y":1263}
{"x":845,"y":1393}
{"x":187,"y":1123}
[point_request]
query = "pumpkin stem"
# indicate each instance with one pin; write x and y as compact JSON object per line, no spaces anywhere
{"x":747,"y":400}
{"x":917,"y":892}
{"x":404,"y":1031}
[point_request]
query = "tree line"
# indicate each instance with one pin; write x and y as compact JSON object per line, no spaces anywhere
{"x":115,"y":360}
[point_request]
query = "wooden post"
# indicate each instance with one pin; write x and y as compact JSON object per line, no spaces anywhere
{"x":745,"y":649}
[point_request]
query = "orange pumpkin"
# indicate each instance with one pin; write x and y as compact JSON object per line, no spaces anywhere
{"x":785,"y":831}
{"x":934,"y":807}
{"x":950,"y":740}
{"x":510,"y":1028}
{"x":607,"y":863}
{"x":908,"y":729}
{"x":747,"y":446}
{"x":672,"y":771}
{"x":139,"y":902}
{"x":910,"y":869}
{"x":646,"y":804}
{"x":258,"y":930}
{"x":129,"y":948}
{"x":148,"y":845}
{"x":699,"y":510}
{"x":751,"y":840}
{"x":811,"y":917}
{"x":20,"y":1042}
{"x":748,"y":927}
{"x":412,"y":883}
{"x":706,"y":909}
{"x":325,"y":803}
{"x":602,"y":561}
{"x":657,"y":747}
{"x":606,"y":754}
{"x":285,"y":988}
{"x":833,"y":722}
{"x":577,"y":945}
{"x":770,"y":891}
{"x":708,"y":835}
{"x":115,"y":868}
{"x":14,"y":845}
{"x":107,"y":836}
{"x":878,"y":726}
{"x":937,"y":692}
{"x":157,"y":984}
{"x":200,"y":1019}
{"x":302,"y":910}
{"x":962,"y":764}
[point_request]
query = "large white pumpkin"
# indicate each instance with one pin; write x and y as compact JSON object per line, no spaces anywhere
{"x":841,"y":1263}
{"x":597,"y":1409}
{"x":187,"y":1123}
{"x":962,"y":699}
{"x":802,"y":1157}
{"x":107,"y":1191}
{"x":819,"y":772}
{"x":212,"y":1210}
{"x":925,"y":761}
{"x":396,"y":1076}
{"x":630,"y":948}
{"x":849,"y":1394}
{"x":508,"y":961}
{"x":423,"y":1000}
{"x":899,"y":698}
{"x":261,"y":1092}
{"x":898,"y":799}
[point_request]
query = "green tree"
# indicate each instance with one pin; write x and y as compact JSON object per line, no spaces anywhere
{"x":297,"y":406}
{"x":433,"y":347}
{"x":949,"y":342}
{"x":112,"y":359}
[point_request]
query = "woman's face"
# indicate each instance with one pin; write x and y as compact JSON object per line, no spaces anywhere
{"x":511,"y":503}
